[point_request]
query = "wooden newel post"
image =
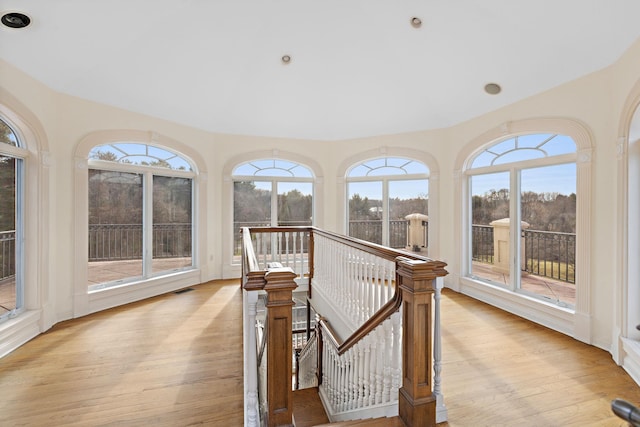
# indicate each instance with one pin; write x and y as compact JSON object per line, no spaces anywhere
{"x":417,"y":402}
{"x":279,"y":287}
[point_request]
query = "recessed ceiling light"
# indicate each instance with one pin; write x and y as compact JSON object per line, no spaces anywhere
{"x":286,"y":59}
{"x":416,"y":22}
{"x":492,"y":88}
{"x":15,"y":20}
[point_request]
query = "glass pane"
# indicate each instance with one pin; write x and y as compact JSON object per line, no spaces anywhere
{"x":295,"y":203}
{"x":272,"y":168}
{"x":525,"y":147}
{"x":115,"y":227}
{"x":490,"y":227}
{"x":409,"y":197}
{"x":365,"y":211}
{"x":560,"y":144}
{"x":251,"y":207}
{"x":519,"y":155}
{"x":388,"y":166}
{"x":139,"y":154}
{"x":171,"y":223}
{"x":8,"y":211}
{"x":6,"y":135}
{"x":548,"y":207}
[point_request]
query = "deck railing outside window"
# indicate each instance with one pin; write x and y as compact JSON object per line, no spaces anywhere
{"x":7,"y":254}
{"x":371,"y":231}
{"x":546,"y":253}
{"x":116,"y":242}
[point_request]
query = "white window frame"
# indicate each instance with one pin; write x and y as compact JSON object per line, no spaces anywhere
{"x":20,"y":154}
{"x":385,"y":180}
{"x":147,"y":173}
{"x":514,"y":170}
{"x":393,"y":152}
{"x":574,"y":322}
{"x":626,"y":336}
{"x":233,"y":269}
{"x":38,"y":313}
{"x":86,"y":302}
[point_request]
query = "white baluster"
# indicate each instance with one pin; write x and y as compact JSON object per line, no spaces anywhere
{"x":380,"y":366}
{"x":373,"y":353}
{"x":386,"y":392}
{"x":396,"y":364}
{"x":360,"y":372}
{"x":441,"y":410}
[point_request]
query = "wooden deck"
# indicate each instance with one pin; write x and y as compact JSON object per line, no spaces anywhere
{"x":175,"y":360}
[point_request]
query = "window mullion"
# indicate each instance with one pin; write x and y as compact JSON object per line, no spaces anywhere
{"x":147,"y":224}
{"x":385,"y":212}
{"x":274,"y":203}
{"x":516,"y":217}
{"x":19,"y":234}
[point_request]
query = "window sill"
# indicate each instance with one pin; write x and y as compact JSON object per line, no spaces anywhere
{"x":561,"y":319}
{"x":17,"y":331}
{"x":125,"y":293}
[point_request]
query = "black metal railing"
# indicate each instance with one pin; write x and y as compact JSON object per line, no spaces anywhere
{"x":117,"y":242}
{"x":371,"y":231}
{"x":546,"y":253}
{"x":550,"y":254}
{"x":7,"y":254}
{"x":482,"y":243}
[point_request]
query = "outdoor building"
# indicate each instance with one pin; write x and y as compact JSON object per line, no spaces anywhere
{"x":530,"y":195}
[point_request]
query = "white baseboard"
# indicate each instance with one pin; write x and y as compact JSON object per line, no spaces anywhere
{"x":631,"y":360}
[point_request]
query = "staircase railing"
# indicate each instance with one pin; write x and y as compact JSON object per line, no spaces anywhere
{"x":383,"y":299}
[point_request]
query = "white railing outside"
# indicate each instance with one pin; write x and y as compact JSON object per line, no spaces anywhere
{"x":365,"y":377}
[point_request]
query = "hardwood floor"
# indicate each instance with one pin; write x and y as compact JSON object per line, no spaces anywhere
{"x":501,"y":370}
{"x":175,"y":360}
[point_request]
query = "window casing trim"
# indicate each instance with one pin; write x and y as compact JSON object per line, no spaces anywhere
{"x":86,"y":302}
{"x":582,"y":136}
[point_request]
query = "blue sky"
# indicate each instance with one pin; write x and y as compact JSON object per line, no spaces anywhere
{"x":549,"y":179}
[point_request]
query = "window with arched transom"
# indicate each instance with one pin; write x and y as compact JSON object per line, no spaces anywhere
{"x":384,"y":195}
{"x":271,"y":192}
{"x":522,"y":216}
{"x":12,"y":159}
{"x":141,"y":199}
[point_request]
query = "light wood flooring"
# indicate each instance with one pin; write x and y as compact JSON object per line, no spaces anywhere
{"x":173,"y":360}
{"x":176,"y":360}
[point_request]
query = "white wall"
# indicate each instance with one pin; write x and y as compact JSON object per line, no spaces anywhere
{"x":595,"y":100}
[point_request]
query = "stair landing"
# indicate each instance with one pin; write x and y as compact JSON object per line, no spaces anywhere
{"x":309,"y":412}
{"x":307,"y":408}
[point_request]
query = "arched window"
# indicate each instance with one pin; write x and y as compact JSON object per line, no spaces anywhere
{"x":522,"y":210}
{"x":141,"y":203}
{"x":271,"y":192}
{"x":381,"y":194}
{"x":12,"y":158}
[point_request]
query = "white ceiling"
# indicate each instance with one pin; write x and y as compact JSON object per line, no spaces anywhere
{"x":358,"y":67}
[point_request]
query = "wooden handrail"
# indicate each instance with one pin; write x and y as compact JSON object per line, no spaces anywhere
{"x":373,"y":322}
{"x":372,"y":248}
{"x":254,"y":277}
{"x":378,"y":317}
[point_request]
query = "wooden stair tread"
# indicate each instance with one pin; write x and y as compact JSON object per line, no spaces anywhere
{"x":369,"y":422}
{"x":307,"y":408}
